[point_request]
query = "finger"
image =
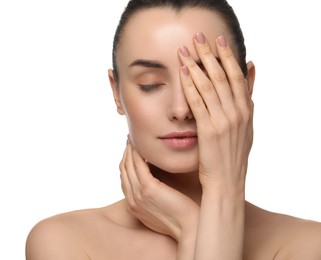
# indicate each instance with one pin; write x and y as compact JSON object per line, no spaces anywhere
{"x":200,"y":81}
{"x":214,"y":70}
{"x":123,"y":172}
{"x":233,"y":71}
{"x":131,"y":169}
{"x":143,"y":173}
{"x":194,"y":98}
{"x":125,"y":183}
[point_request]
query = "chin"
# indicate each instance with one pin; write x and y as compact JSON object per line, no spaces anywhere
{"x":173,"y":168}
{"x":165,"y":160}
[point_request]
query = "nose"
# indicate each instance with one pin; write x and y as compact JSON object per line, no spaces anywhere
{"x":178,"y":108}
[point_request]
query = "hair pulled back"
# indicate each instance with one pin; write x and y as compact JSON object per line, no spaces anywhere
{"x":221,"y":7}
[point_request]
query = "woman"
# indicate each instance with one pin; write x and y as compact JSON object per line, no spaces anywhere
{"x":181,"y":79}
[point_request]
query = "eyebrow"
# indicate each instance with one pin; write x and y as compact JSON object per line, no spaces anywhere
{"x":157,"y":64}
{"x":148,"y":64}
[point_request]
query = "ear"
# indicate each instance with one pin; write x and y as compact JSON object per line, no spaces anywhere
{"x":115,"y":89}
{"x":250,"y":76}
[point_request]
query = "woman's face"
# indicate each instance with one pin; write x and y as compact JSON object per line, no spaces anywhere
{"x":161,"y":125}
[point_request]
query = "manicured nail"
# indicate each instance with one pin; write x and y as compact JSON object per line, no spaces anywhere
{"x":221,"y":41}
{"x":185,"y":70}
{"x":184,"y":51}
{"x":200,"y":38}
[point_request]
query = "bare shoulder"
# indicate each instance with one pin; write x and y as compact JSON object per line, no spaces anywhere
{"x":96,"y":234}
{"x":287,"y":237}
{"x":57,"y":237}
{"x":302,"y":240}
{"x":69,"y":235}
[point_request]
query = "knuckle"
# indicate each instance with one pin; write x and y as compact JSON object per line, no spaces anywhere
{"x":219,"y":75}
{"x":139,"y":198}
{"x":146,"y":191}
{"x":242,"y":116}
{"x":122,"y":169}
{"x":126,"y":165}
{"x":228,"y":53}
{"x":196,"y":102}
{"x":224,"y":128}
{"x":206,"y":51}
{"x":252,"y":105}
{"x":246,"y":113}
{"x":238,"y":77}
{"x":189,"y":84}
{"x":193,"y":65}
{"x":206,"y":86}
{"x":235,"y":118}
{"x":120,"y":166}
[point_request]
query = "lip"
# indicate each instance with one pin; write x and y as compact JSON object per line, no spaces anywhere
{"x":180,"y":139}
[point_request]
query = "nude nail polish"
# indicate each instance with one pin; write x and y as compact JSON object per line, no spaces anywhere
{"x":221,"y":41}
{"x":184,"y":51}
{"x":185,"y":70}
{"x":200,"y":38}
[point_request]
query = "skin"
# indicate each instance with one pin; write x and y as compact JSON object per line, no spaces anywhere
{"x":180,"y":203}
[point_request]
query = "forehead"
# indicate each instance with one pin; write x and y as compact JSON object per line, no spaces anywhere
{"x":157,"y":33}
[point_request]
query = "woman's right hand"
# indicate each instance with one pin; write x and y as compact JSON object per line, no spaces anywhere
{"x":158,"y":206}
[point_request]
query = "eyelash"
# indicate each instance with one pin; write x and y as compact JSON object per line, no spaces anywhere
{"x":148,"y":88}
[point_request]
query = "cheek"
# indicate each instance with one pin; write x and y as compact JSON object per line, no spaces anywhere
{"x":138,"y":119}
{"x":142,"y":128}
{"x":141,"y":112}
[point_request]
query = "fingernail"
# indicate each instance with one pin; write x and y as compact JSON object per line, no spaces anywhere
{"x":221,"y":41}
{"x":200,"y":38}
{"x":184,"y":51}
{"x":185,"y":70}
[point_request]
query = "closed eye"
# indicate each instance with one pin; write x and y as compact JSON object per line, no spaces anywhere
{"x":149,"y":87}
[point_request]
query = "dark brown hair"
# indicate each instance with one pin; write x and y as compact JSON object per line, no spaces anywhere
{"x":221,"y":7}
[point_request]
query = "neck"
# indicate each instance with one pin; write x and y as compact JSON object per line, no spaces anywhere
{"x":186,"y":183}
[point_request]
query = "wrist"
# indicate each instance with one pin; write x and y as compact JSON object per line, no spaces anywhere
{"x":224,"y":191}
{"x":186,"y":243}
{"x":224,"y":199}
{"x":223,"y":187}
{"x":188,"y":227}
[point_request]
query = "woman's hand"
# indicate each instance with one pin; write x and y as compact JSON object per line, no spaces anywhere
{"x":158,"y":206}
{"x":221,"y":104}
{"x":220,"y":101}
{"x":222,"y":107}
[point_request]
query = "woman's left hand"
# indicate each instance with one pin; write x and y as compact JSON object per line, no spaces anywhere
{"x":218,"y":95}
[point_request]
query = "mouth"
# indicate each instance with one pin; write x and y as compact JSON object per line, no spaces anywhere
{"x":180,"y":140}
{"x":179,"y":134}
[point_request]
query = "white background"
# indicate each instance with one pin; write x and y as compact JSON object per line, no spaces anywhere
{"x":61,"y":139}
